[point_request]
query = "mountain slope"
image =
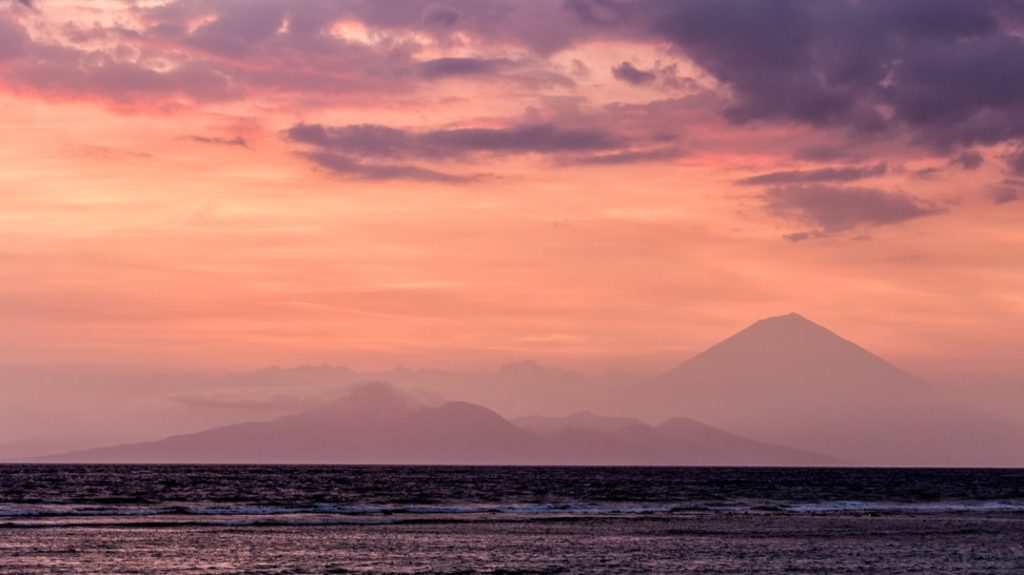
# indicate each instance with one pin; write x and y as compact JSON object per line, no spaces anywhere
{"x":587,"y":438}
{"x":379,"y":424}
{"x":376,"y":423}
{"x":788,"y":380}
{"x":586,"y":420}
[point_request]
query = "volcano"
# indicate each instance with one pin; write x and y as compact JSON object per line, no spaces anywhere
{"x":790,"y":381}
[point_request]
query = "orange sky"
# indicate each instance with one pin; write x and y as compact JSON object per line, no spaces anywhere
{"x":156,"y":219}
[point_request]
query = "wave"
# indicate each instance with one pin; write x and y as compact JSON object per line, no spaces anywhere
{"x":906,"y":507}
{"x":330,"y":509}
{"x":319,"y":513}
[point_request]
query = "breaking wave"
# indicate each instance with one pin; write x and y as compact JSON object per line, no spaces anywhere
{"x":41,"y":516}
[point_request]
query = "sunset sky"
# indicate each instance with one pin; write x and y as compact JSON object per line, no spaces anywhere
{"x":203,"y":185}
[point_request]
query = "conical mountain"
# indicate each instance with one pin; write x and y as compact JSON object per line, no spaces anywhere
{"x":790,"y":381}
{"x":790,"y":353}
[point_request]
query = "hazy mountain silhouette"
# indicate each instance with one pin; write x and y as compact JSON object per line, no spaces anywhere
{"x":791,"y":381}
{"x":585,"y":437}
{"x":377,"y":423}
{"x":28,"y":448}
{"x":515,"y":389}
{"x":584,"y":419}
{"x":783,"y":381}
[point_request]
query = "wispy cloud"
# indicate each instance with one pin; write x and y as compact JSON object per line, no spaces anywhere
{"x":841,"y":174}
{"x":373,"y":140}
{"x":347,"y":166}
{"x":629,"y":157}
{"x":377,"y":152}
{"x":833,"y":209}
{"x":630,"y":74}
{"x":1008,"y":191}
{"x":236,"y":141}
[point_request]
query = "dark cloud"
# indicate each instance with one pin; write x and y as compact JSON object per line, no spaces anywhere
{"x":799,"y":236}
{"x":1007,"y":191}
{"x":441,"y":16}
{"x":929,"y":173}
{"x":541,"y":26}
{"x":13,"y":40}
{"x":544,"y":138}
{"x":628,"y":157}
{"x":630,"y":74}
{"x":530,"y":73}
{"x":579,"y":68}
{"x":604,"y":13}
{"x":1005,"y":194}
{"x":62,"y":71}
{"x":1015,"y":160}
{"x":357,"y":169}
{"x":238,"y":33}
{"x":445,"y":67}
{"x":950,"y":73}
{"x":666,"y":77}
{"x":829,"y":154}
{"x":968,"y":160}
{"x":241,"y":47}
{"x":833,"y":209}
{"x":362,"y":139}
{"x":376,"y":141}
{"x":669,"y":78}
{"x":373,"y":151}
{"x":762,"y":50}
{"x":236,"y":141}
{"x":843,"y":174}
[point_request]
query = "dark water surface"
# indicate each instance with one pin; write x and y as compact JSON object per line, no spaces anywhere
{"x":340,"y":519}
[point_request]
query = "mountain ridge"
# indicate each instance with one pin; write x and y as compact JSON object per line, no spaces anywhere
{"x":377,"y":424}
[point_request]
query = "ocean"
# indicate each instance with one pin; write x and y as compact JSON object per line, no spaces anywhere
{"x":423,"y":519}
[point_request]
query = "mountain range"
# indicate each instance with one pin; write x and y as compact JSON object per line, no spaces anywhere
{"x":783,"y":391}
{"x":376,"y":423}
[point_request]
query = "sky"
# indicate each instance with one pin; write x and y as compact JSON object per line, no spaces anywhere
{"x":217,"y":185}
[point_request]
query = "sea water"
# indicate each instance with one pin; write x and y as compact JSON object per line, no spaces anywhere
{"x":421,"y":519}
